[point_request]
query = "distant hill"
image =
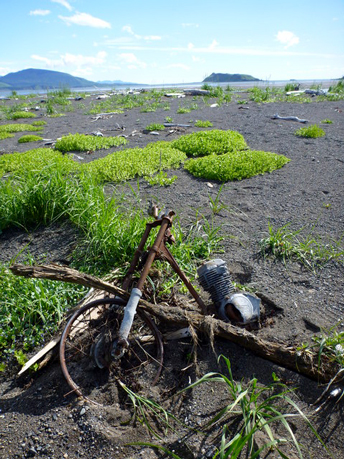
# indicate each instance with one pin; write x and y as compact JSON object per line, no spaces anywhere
{"x":42,"y":79}
{"x":228,"y":77}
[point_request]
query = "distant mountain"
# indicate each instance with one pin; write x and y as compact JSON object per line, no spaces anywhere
{"x":42,"y":79}
{"x":228,"y":77}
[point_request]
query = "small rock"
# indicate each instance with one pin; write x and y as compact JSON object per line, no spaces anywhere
{"x":210,"y":185}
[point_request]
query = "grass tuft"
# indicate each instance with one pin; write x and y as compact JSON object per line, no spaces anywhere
{"x":313,"y":132}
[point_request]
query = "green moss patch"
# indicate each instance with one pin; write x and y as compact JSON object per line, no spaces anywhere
{"x":82,"y":142}
{"x":210,"y":142}
{"x":29,"y":138}
{"x":235,"y":166}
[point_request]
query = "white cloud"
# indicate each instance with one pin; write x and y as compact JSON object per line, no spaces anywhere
{"x":128,"y":29}
{"x":132,"y":61}
{"x":287,"y":38}
{"x":85,"y":19}
{"x":63,"y":3}
{"x":197,"y":59}
{"x":213,"y":44}
{"x":74,"y":60}
{"x":190,"y":24}
{"x":191,"y":46}
{"x":39,"y":12}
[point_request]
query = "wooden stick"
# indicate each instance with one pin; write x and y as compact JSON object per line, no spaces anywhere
{"x":288,"y":357}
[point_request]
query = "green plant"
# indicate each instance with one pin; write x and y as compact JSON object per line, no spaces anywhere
{"x":5,"y":135}
{"x":145,"y":410}
{"x":9,"y":128}
{"x":312,"y":131}
{"x":182,"y":110}
{"x":29,"y":138}
{"x":21,"y":114}
{"x":286,"y":244}
{"x":155,"y":127}
{"x":210,"y":142}
{"x":203,"y":124}
{"x":30,"y":310}
{"x":237,"y":165}
{"x":161,"y":179}
{"x":291,"y":87}
{"x":168,"y":119}
{"x":39,"y":123}
{"x":215,"y":203}
{"x":252,"y":410}
{"x":81,"y":142}
{"x":257,"y":408}
{"x":326,"y":121}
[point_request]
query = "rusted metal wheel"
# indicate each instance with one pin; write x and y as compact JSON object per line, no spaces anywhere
{"x":85,"y":352}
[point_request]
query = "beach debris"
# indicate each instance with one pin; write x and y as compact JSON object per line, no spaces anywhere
{"x":288,"y":118}
{"x":173,"y":125}
{"x":104,"y":116}
{"x":210,"y":185}
{"x":78,"y":98}
{"x":316,"y":92}
{"x":243,"y":108}
{"x":97,"y":134}
{"x":177,"y":95}
{"x":214,"y":105}
{"x":102,"y":96}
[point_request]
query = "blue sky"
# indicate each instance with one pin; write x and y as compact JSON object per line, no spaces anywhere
{"x":157,"y":42}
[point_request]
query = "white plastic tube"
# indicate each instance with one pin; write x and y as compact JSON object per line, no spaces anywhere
{"x":129,"y":313}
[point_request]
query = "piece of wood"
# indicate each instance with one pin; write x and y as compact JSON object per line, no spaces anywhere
{"x":288,"y":357}
{"x":288,"y":118}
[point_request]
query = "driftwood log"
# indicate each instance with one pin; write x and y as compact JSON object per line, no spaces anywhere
{"x":289,"y":357}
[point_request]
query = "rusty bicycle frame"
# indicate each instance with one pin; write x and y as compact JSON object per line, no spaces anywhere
{"x":157,"y":250}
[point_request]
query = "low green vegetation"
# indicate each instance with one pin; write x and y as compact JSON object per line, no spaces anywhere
{"x":29,"y":138}
{"x":291,"y":87}
{"x":31,"y":310}
{"x":137,"y":162}
{"x":39,"y":123}
{"x":20,"y":115}
{"x":155,"y":127}
{"x":312,"y":132}
{"x":9,"y":128}
{"x":182,"y":110}
{"x":210,"y":142}
{"x":161,"y":179}
{"x":203,"y":124}
{"x":82,"y":142}
{"x":326,"y":121}
{"x":246,"y":426}
{"x":5,"y":135}
{"x":300,"y":245}
{"x":235,"y":166}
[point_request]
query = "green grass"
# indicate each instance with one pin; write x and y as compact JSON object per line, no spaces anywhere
{"x":235,"y":166}
{"x":29,"y":138}
{"x":210,"y":142}
{"x":312,"y":132}
{"x":203,"y":124}
{"x":31,"y":310}
{"x":182,"y":110}
{"x":20,"y":115}
{"x":155,"y":127}
{"x":137,"y":162}
{"x":246,"y":425}
{"x":39,"y":123}
{"x":326,"y":121}
{"x":5,"y":135}
{"x":161,"y":179}
{"x":10,"y":128}
{"x":303,"y":246}
{"x":81,"y":142}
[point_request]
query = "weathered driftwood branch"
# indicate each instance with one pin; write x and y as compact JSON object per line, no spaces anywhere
{"x":287,"y":357}
{"x":289,"y":118}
